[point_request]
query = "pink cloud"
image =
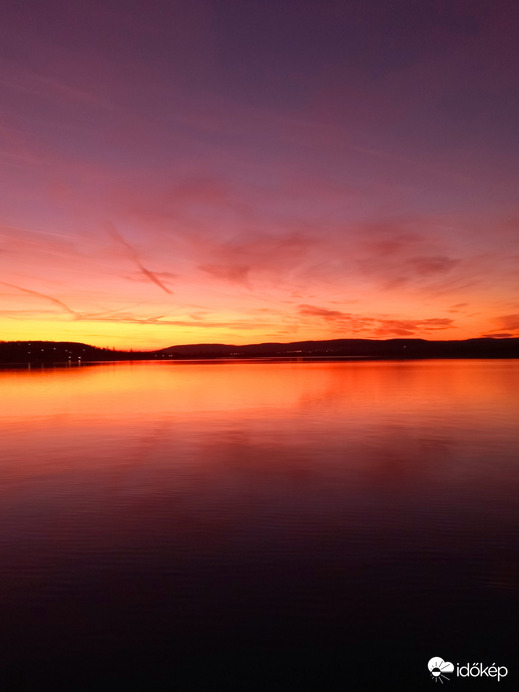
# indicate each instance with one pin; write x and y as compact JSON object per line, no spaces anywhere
{"x":375,"y":326}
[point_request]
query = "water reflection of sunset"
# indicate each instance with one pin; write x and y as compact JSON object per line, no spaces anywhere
{"x":188,"y":413}
{"x":185,"y":503}
{"x":138,"y":390}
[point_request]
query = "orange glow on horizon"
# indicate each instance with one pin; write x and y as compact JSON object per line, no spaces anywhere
{"x":126,"y":337}
{"x":202,"y":310}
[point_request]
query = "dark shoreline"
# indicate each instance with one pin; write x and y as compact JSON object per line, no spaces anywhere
{"x":64,"y":353}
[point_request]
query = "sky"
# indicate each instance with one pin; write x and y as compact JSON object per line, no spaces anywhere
{"x":242,"y":171}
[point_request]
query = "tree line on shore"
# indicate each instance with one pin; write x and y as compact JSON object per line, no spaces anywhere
{"x":64,"y":352}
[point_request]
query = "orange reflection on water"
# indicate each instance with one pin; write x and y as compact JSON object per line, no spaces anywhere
{"x":140,"y":390}
{"x":91,"y":418}
{"x":190,"y":458}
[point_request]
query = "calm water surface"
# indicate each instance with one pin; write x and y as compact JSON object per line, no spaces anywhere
{"x":259,"y":525}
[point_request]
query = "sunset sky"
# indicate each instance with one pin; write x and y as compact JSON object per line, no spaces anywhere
{"x":239,"y":171}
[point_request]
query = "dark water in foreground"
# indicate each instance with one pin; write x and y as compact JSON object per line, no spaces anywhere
{"x":280,"y":526}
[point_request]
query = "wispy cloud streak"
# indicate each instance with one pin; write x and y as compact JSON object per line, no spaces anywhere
{"x":56,"y":301}
{"x":135,"y":257}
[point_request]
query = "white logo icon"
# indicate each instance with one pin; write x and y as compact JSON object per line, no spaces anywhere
{"x":438,"y":667}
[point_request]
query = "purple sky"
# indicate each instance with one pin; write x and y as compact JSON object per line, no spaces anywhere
{"x":242,"y":171}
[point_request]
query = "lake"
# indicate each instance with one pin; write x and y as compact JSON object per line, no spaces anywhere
{"x":257,"y":525}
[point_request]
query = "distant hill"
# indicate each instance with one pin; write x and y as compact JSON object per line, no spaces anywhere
{"x":354,"y":348}
{"x":55,"y":352}
{"x":63,"y":352}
